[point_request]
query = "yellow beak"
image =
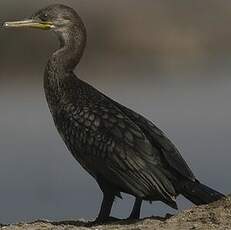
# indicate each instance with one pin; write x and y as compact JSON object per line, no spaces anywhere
{"x":30,"y":23}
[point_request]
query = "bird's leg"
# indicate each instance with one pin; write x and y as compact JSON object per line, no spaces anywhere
{"x":135,"y":214}
{"x":106,"y":206}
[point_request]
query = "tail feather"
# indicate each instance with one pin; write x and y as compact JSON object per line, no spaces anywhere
{"x":199,"y":193}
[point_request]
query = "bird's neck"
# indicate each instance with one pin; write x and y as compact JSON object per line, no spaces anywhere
{"x":72,"y":44}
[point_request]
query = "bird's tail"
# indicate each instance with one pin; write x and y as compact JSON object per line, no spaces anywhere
{"x":199,"y":193}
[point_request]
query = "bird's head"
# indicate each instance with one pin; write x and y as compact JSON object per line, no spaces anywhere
{"x":55,"y":17}
{"x":67,"y":24}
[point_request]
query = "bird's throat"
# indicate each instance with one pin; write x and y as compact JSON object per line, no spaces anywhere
{"x":72,"y":43}
{"x":63,"y":61}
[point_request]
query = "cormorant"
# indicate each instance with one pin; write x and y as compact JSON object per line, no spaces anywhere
{"x":121,"y":149}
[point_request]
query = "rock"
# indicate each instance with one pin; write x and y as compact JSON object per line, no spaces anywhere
{"x":216,"y":215}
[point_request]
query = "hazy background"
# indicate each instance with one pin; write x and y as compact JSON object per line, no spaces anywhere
{"x":169,"y":60}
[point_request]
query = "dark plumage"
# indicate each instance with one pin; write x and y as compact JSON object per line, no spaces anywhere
{"x":121,"y":149}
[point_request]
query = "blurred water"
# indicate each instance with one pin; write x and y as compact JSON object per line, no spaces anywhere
{"x":40,"y":179}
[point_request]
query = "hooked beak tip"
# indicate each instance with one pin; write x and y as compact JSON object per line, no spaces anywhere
{"x":5,"y":24}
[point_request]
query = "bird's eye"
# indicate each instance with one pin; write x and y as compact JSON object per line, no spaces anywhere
{"x":44,"y":17}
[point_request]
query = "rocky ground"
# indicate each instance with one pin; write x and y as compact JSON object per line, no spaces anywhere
{"x":213,"y":216}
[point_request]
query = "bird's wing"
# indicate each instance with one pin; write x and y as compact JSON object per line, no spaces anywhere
{"x":116,"y":147}
{"x":160,"y":141}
